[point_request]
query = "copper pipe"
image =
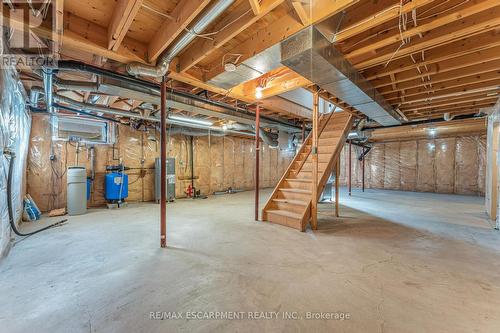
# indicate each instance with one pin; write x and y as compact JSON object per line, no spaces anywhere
{"x":257,"y":160}
{"x":163,"y":163}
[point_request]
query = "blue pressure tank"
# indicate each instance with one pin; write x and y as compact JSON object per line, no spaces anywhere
{"x":113,"y":183}
{"x":89,"y":186}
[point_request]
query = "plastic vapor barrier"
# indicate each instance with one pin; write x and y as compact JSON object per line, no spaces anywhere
{"x":220,"y":162}
{"x":446,"y":165}
{"x":15,"y":123}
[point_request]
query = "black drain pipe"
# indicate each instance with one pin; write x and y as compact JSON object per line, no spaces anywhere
{"x":9,"y":201}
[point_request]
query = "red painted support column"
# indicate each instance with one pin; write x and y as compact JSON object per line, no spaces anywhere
{"x":314,"y":158}
{"x":303,"y":132}
{"x":163,"y":163}
{"x":363,"y":171}
{"x":257,"y":160}
{"x":350,"y":167}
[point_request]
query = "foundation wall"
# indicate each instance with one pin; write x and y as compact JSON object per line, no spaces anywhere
{"x":448,"y":165}
{"x":219,"y":163}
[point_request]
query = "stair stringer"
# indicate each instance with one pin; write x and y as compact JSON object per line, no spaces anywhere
{"x":323,"y":178}
{"x":303,"y":216}
{"x":324,"y":119}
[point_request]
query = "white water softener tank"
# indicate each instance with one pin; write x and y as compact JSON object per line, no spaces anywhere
{"x":77,"y":191}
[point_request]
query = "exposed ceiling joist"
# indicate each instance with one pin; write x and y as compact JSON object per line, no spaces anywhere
{"x":287,"y":26}
{"x":468,"y":65}
{"x":468,"y":27}
{"x":479,"y":81}
{"x":451,"y":100}
{"x":454,"y":104}
{"x":458,"y":108}
{"x":255,"y":6}
{"x":478,"y":73}
{"x":493,"y":86}
{"x":462,"y":48}
{"x":439,"y":21}
{"x":123,"y":16}
{"x":301,"y":12}
{"x":383,"y":16}
{"x":83,"y":36}
{"x":238,"y":20}
{"x":183,"y":14}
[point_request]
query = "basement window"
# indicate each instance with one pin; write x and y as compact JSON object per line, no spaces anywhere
{"x":84,"y":130}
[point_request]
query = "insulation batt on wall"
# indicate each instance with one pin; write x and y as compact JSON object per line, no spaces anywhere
{"x":447,"y":165}
{"x":15,"y":122}
{"x":219,"y":163}
{"x":492,"y":160}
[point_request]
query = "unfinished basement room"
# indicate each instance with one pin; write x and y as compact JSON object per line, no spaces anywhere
{"x":250,"y":166}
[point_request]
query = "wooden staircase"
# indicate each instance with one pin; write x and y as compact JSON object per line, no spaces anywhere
{"x":290,"y":202}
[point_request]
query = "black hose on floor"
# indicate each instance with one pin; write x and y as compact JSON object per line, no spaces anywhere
{"x":9,"y":203}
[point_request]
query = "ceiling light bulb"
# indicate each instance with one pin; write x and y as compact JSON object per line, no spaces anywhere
{"x":258,"y":92}
{"x":229,"y":67}
{"x":432,"y":132}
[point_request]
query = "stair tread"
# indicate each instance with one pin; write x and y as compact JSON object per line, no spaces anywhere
{"x":298,"y":180}
{"x":295,"y":190}
{"x":288,"y":205}
{"x":285,"y":213}
{"x":291,"y":201}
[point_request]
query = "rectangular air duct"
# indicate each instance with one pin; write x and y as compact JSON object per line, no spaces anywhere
{"x":249,"y":69}
{"x":314,"y":57}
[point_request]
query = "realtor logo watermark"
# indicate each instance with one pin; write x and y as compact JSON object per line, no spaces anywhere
{"x":249,"y":315}
{"x":29,"y":33}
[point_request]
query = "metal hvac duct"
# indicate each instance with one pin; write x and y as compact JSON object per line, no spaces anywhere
{"x":121,"y":113}
{"x":118,"y":84}
{"x":161,"y":68}
{"x":75,"y":85}
{"x":314,"y":57}
{"x":268,"y":138}
{"x":194,"y":132}
{"x":249,"y":69}
{"x":176,"y":100}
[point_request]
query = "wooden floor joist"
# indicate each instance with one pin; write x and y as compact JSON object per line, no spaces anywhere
{"x":449,"y":49}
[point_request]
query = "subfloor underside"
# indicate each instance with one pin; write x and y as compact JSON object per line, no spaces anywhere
{"x":393,"y":261}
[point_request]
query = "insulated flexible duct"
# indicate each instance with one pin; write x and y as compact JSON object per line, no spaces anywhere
{"x":189,"y":35}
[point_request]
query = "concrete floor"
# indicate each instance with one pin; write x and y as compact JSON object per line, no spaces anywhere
{"x":395,"y":262}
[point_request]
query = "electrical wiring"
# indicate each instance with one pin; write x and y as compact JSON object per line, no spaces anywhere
{"x":237,"y":55}
{"x":415,"y":17}
{"x":209,"y":34}
{"x":443,"y":11}
{"x":370,"y":18}
{"x":146,"y":6}
{"x":402,"y":27}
